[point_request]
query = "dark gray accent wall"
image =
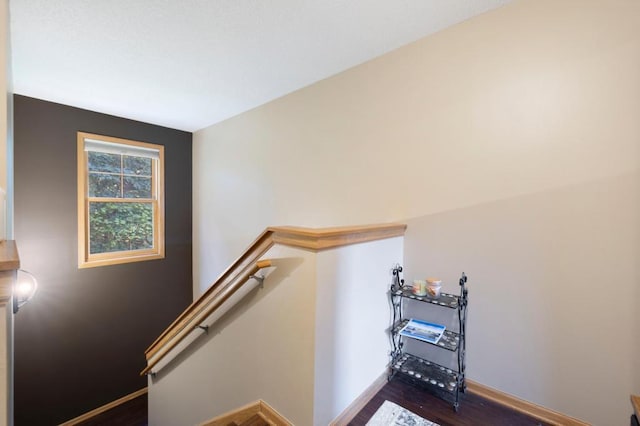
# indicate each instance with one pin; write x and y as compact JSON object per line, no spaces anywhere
{"x":80,"y":342}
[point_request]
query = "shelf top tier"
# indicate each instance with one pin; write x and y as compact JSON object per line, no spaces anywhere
{"x":447,"y":300}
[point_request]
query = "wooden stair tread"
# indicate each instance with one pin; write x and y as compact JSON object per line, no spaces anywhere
{"x":257,"y":413}
{"x":255,"y":420}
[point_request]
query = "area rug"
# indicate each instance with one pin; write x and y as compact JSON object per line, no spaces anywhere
{"x":390,"y":414}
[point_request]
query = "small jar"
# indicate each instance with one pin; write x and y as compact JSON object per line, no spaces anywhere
{"x":433,"y":287}
{"x":419,"y":287}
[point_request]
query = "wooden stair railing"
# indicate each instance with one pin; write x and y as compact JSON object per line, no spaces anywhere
{"x":203,"y":311}
{"x":232,"y":279}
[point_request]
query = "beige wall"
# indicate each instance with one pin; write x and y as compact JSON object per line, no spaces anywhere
{"x":553,"y":290}
{"x":308,"y":343}
{"x":263,"y":348}
{"x":537,"y":99}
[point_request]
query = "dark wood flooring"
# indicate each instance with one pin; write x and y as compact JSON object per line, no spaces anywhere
{"x":131,"y":413}
{"x":473,"y":410}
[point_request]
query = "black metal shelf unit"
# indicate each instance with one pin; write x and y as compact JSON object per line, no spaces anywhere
{"x":446,"y":382}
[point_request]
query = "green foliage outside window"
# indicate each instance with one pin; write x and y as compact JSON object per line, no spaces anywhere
{"x":120,"y":226}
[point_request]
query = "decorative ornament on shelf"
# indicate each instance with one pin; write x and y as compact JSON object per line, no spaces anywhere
{"x":398,"y":281}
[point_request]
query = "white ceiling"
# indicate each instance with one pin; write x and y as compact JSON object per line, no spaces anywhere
{"x":187,"y":64}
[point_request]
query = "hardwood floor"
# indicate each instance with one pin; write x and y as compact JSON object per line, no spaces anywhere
{"x":473,"y":411}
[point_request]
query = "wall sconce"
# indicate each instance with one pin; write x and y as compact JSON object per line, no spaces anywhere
{"x":24,"y":289}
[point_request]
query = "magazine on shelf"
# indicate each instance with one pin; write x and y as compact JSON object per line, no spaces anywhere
{"x":423,"y":330}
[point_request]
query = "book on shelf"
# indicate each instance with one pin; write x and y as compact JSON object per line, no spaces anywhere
{"x":422,"y":330}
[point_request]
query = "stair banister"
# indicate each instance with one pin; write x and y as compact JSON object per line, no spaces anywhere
{"x":248,"y":264}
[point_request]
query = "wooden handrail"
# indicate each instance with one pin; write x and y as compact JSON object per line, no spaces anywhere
{"x":249,"y":263}
{"x":205,"y":310}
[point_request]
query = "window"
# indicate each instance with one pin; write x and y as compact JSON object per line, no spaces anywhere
{"x":120,"y":201}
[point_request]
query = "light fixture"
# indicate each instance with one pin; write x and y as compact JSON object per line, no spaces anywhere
{"x":24,"y":289}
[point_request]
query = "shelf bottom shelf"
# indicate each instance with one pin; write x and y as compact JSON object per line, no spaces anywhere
{"x":439,"y":380}
{"x":444,"y":395}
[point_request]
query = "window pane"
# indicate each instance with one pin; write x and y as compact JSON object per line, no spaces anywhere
{"x":120,"y":226}
{"x":102,"y":185}
{"x":137,"y":166}
{"x":137,"y":187}
{"x":101,"y":162}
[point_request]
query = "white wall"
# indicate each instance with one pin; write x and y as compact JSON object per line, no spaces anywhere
{"x":6,"y":210}
{"x":4,"y":48}
{"x":537,"y":98}
{"x":352,"y":316}
{"x":6,"y":120}
{"x":7,"y":279}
